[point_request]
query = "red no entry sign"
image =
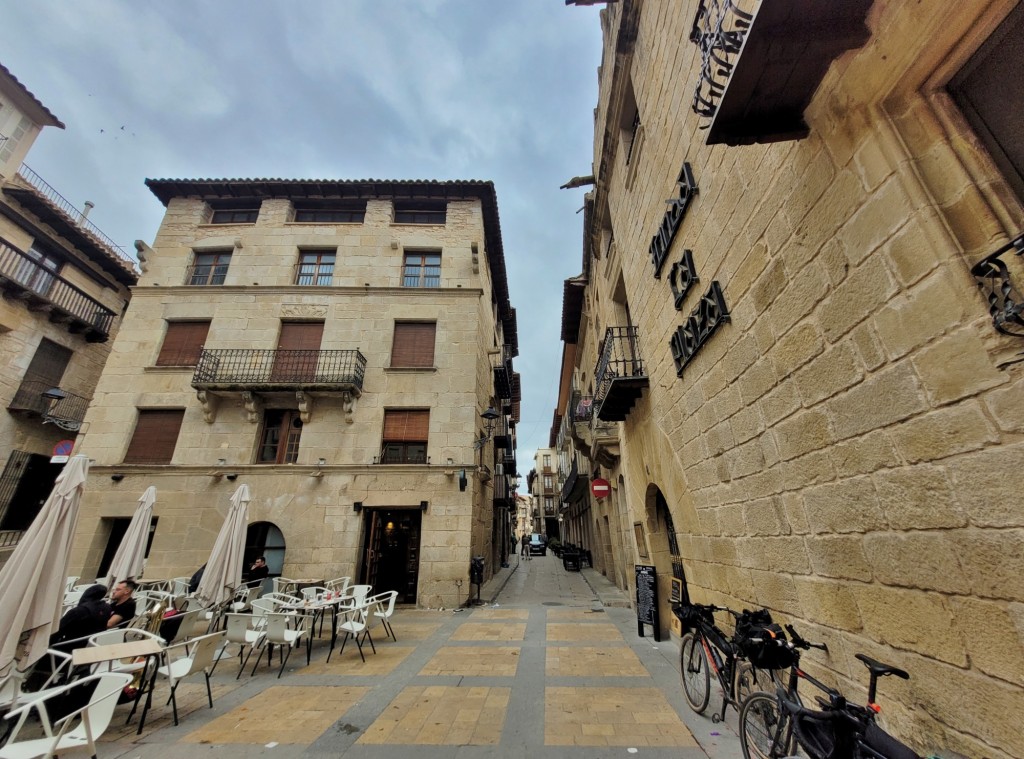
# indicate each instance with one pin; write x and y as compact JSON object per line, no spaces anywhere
{"x":600,"y":488}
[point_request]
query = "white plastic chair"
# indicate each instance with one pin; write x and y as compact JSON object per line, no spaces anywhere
{"x":286,"y":631}
{"x":179,"y":586}
{"x":12,"y":694}
{"x":244,"y":598}
{"x":199,"y":655}
{"x":354,"y":625}
{"x":186,"y":626}
{"x":338,"y":584}
{"x":359,"y":592}
{"x":70,"y":583}
{"x":382,"y":606}
{"x":80,"y":729}
{"x":312,"y":591}
{"x":245,"y":630}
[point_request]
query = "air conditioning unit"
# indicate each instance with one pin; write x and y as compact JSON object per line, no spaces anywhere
{"x":499,"y":470}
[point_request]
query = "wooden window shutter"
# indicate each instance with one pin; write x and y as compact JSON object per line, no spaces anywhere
{"x":300,"y":336}
{"x":414,"y":344}
{"x":406,"y":426}
{"x":156,"y":435}
{"x":183,"y":343}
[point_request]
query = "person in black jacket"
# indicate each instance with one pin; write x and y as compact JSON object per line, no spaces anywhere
{"x":89,"y":617}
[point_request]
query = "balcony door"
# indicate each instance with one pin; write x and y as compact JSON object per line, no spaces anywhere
{"x":298,"y":349}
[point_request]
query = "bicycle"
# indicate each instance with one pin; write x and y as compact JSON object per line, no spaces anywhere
{"x":705,"y":649}
{"x":774,"y":726}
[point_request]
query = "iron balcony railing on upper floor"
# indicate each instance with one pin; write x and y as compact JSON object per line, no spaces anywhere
{"x":75,"y":215}
{"x":259,"y":369}
{"x":45,"y":290}
{"x":620,"y":376}
{"x":503,"y":374}
{"x":65,"y":409}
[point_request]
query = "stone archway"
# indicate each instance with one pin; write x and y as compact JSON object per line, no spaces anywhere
{"x":663,"y":550}
{"x":265,"y":539}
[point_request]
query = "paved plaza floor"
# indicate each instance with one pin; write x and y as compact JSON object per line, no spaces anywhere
{"x":549,"y":665}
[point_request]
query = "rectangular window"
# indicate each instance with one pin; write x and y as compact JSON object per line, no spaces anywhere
{"x":988,"y":90}
{"x":549,"y":505}
{"x":183,"y":343}
{"x":413,"y":344}
{"x":235,"y":216}
{"x":344,"y":212}
{"x":547,"y":460}
{"x":316,"y":267}
{"x":405,"y":436}
{"x":548,"y":482}
{"x":155,"y":437}
{"x":208,"y":269}
{"x":421,"y":212}
{"x":279,"y":441}
{"x":421,"y":270}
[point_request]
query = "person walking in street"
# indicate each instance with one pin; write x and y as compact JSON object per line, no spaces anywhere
{"x":525,"y":547}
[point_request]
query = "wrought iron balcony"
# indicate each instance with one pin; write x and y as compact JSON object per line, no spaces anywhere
{"x":63,"y":409}
{"x":250,"y":369}
{"x":620,"y":376}
{"x":503,"y":374}
{"x":23,"y":278}
{"x":504,"y":493}
{"x":761,"y":63}
{"x":1004,"y":301}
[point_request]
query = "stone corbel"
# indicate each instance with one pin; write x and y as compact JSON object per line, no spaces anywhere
{"x":209,"y":402}
{"x":253,"y":406}
{"x":305,"y":405}
{"x":348,"y":404}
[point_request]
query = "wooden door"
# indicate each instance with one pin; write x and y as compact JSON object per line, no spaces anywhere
{"x":373,"y":541}
{"x":298,"y":351}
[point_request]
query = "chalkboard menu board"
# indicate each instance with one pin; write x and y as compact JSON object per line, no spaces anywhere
{"x":647,"y":600}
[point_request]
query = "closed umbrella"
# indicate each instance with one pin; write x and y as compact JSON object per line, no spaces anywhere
{"x":223,"y":573}
{"x":132,"y":550}
{"x":32,"y":581}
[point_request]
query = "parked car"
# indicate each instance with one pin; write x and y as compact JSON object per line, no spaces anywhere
{"x":537,"y":545}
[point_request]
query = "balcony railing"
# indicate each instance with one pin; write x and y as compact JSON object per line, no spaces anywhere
{"x":44,"y":290}
{"x":257,"y":369}
{"x":620,"y":375}
{"x":66,"y":412}
{"x":503,"y":374}
{"x":73,"y":214}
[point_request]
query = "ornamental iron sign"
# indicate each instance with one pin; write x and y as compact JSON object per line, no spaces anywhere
{"x":662,"y":241}
{"x":709,"y":314}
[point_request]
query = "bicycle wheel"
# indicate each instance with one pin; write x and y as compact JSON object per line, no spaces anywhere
{"x":764,"y":730}
{"x":696,"y":674}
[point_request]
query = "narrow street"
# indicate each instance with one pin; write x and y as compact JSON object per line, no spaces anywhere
{"x":549,"y":665}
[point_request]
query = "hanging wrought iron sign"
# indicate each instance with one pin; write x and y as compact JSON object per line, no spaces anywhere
{"x":662,"y":241}
{"x":1004,"y":302}
{"x":681,"y":277}
{"x":708,"y":316}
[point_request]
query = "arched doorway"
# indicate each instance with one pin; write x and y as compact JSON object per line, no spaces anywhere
{"x":665,"y":555}
{"x":265,"y":539}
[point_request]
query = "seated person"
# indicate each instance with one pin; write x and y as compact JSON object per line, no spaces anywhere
{"x":122,"y":603}
{"x":258,"y":571}
{"x":89,"y":617}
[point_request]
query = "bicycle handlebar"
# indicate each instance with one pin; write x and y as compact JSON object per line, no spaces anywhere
{"x":801,"y":642}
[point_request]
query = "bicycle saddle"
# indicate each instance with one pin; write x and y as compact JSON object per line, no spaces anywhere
{"x":878,"y":669}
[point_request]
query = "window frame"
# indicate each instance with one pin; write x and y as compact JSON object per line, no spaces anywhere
{"x":422,"y":278}
{"x":175,"y":350}
{"x":151,"y":438}
{"x":409,"y":346}
{"x":246,"y":215}
{"x":286,"y":448}
{"x":405,"y":436}
{"x":319,"y":264}
{"x":218,"y":268}
{"x":433,"y":212}
{"x":329,"y":212}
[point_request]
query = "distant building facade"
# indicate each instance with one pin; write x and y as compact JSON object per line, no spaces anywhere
{"x":799,"y":327}
{"x":344,"y":348}
{"x":64,"y":286}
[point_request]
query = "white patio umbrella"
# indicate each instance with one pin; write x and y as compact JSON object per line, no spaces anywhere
{"x":132,"y":550}
{"x":32,"y":581}
{"x":223,"y":573}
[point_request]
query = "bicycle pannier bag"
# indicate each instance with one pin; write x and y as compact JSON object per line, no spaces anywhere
{"x":759,"y":639}
{"x":690,"y":616}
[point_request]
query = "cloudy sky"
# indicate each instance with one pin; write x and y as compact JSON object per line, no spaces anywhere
{"x":499,"y":90}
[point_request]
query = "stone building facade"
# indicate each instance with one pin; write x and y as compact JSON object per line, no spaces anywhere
{"x":799,"y":324}
{"x":65,"y":286}
{"x":334,"y":345}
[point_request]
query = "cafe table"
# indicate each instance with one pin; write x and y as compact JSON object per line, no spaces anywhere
{"x":134,"y":649}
